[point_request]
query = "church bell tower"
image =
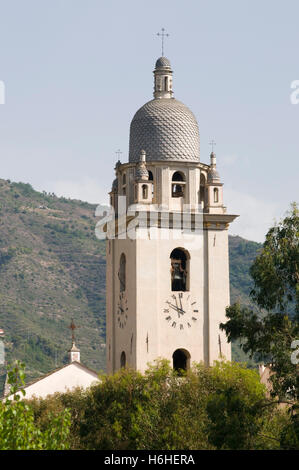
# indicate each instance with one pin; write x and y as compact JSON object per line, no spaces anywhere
{"x":167,"y":274}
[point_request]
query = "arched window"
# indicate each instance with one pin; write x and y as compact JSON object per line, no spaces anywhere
{"x":178,"y":176}
{"x":178,"y":184}
{"x":216,"y":195}
{"x":166,"y":83}
{"x":124,"y":180}
{"x":144,"y":191}
{"x":179,"y":274}
{"x":123,"y":360}
{"x":122,"y":273}
{"x":202,"y":188}
{"x":181,"y":360}
{"x":151,"y":178}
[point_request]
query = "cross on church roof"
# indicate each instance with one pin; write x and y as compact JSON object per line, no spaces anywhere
{"x":163,"y":35}
{"x":73,"y":327}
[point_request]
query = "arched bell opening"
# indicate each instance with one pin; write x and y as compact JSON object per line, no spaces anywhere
{"x":123,"y":360}
{"x":178,"y":183}
{"x":202,"y":189}
{"x":151,"y":178}
{"x":179,"y":259}
{"x":181,"y":360}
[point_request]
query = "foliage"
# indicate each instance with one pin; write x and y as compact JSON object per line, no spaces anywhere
{"x":275,"y":271}
{"x":220,"y":407}
{"x":270,"y":331}
{"x":18,"y":430}
{"x":235,"y":407}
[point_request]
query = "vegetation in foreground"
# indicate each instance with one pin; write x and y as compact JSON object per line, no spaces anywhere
{"x":18,"y":430}
{"x":220,"y":407}
{"x":271,"y":330}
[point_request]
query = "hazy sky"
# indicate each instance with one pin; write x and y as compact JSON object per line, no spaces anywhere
{"x":76,"y":72}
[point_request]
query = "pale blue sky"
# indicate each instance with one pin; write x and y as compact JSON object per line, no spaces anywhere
{"x":76,"y":72}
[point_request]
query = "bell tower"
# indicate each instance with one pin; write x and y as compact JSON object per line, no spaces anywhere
{"x":167,"y":276}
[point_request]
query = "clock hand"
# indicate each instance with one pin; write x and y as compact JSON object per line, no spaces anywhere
{"x":176,"y":301}
{"x":181,"y":302}
{"x":178,"y":309}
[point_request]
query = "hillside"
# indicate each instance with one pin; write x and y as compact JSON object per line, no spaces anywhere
{"x":52,"y":269}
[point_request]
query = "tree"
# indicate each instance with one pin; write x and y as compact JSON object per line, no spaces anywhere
{"x":17,"y":428}
{"x":270,"y":330}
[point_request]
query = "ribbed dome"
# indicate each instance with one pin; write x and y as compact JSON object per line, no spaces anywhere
{"x":167,"y":130}
{"x":163,"y":62}
{"x":141,"y":172}
{"x":213,"y":176}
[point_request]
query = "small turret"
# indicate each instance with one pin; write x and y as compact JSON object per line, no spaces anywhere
{"x":214,"y":190}
{"x":163,"y":79}
{"x":143,"y":187}
{"x":74,"y":354}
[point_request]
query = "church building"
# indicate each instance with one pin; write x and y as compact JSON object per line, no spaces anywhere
{"x":167,"y":275}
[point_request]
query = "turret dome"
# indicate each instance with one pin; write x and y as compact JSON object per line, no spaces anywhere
{"x":163,"y":62}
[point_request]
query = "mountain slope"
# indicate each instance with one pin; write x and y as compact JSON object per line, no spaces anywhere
{"x":52,"y":269}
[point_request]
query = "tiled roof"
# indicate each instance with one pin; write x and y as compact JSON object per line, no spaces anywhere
{"x":167,"y":130}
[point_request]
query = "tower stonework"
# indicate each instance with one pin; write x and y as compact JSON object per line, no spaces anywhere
{"x":167,"y":274}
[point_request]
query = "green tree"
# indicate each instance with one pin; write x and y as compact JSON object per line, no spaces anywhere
{"x":17,"y":428}
{"x":220,"y":407}
{"x":235,"y":407}
{"x":269,"y":331}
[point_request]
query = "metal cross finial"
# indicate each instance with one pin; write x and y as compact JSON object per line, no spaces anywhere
{"x":163,"y":34}
{"x":212,"y":143}
{"x":73,"y":327}
{"x":118,"y":154}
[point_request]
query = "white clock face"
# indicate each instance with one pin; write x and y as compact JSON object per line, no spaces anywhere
{"x":181,"y":311}
{"x":122,"y":310}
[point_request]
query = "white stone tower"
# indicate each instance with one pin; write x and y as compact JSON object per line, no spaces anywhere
{"x":167,"y":277}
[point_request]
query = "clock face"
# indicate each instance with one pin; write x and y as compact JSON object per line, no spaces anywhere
{"x":181,"y":311}
{"x":122,"y":310}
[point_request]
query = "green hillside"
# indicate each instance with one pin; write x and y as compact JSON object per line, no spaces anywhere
{"x":52,"y":269}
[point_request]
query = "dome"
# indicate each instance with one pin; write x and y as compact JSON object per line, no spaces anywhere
{"x":213,"y":176}
{"x":163,"y":62}
{"x":141,"y":172}
{"x":167,"y":130}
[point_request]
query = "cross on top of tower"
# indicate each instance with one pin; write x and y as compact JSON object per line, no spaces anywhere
{"x":163,"y":35}
{"x":118,"y":154}
{"x":212,"y":143}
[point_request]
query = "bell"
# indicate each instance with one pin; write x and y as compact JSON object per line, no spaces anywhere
{"x":177,"y":275}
